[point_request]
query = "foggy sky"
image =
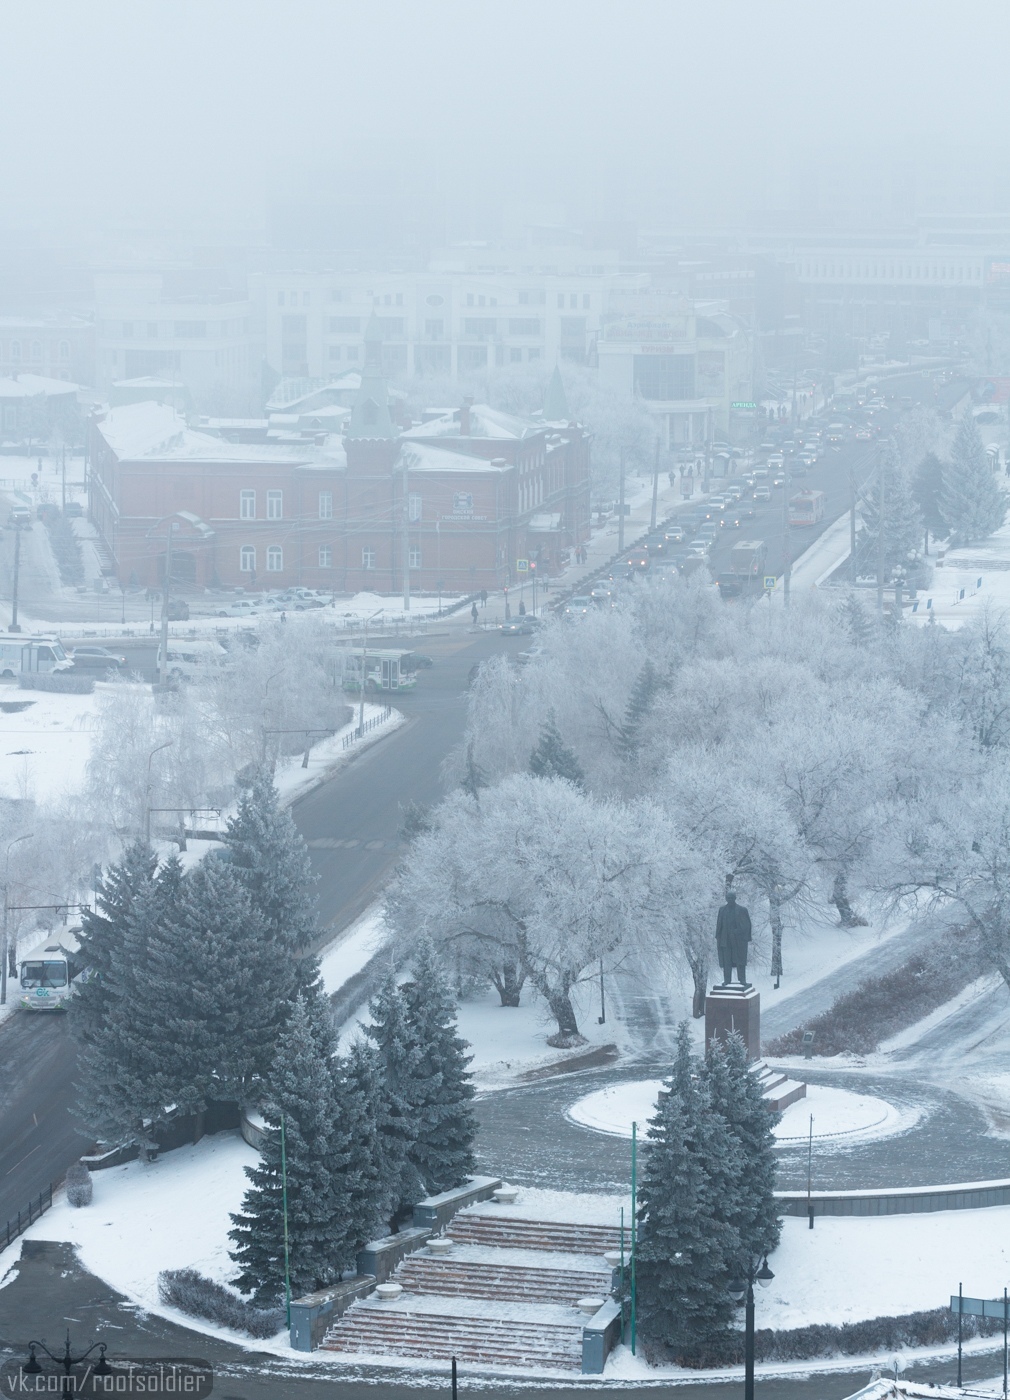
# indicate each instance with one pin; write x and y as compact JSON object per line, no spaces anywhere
{"x":174,"y":111}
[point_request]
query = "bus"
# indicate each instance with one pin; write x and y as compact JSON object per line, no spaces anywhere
{"x":20,"y":655}
{"x":806,"y":508}
{"x":50,"y":974}
{"x":383,"y":671}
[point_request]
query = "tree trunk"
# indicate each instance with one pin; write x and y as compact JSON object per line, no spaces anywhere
{"x":563,"y":1012}
{"x":775,"y":914}
{"x":699,"y":974}
{"x":840,"y":899}
{"x":508,"y":982}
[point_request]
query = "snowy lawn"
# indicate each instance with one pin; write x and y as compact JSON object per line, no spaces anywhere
{"x":47,"y":744}
{"x":355,"y":947}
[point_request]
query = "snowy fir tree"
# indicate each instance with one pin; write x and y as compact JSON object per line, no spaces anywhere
{"x":927,"y":488}
{"x":119,"y":1094}
{"x":552,"y":758}
{"x":640,"y":702}
{"x":971,"y":501}
{"x":359,"y":1100}
{"x":403,"y":1084}
{"x":735,"y":1095}
{"x":445,"y":1126}
{"x":857,"y":619}
{"x":903,"y":527}
{"x":687,"y":1246}
{"x":267,"y":849}
{"x":301,"y":1097}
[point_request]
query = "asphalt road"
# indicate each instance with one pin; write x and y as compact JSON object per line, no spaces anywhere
{"x":363,"y":803}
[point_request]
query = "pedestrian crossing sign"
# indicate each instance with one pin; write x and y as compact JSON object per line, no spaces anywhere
{"x":522,"y":566}
{"x":769,"y":582}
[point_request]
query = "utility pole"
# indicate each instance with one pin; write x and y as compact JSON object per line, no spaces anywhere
{"x":15,"y":626}
{"x":655,"y":488}
{"x":881,"y":519}
{"x":163,"y":651}
{"x":64,"y":470}
{"x":620,"y":510}
{"x":406,"y":540}
{"x":852,"y":524}
{"x":787,"y":559}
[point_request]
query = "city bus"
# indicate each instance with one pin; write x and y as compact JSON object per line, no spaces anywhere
{"x":383,"y":671}
{"x":50,"y":973}
{"x":20,"y":654}
{"x":806,"y":508}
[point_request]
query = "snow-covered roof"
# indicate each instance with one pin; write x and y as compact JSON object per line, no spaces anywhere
{"x":27,"y":386}
{"x":485,"y":422}
{"x":155,"y":430}
{"x":545,"y":523}
{"x":423,"y":457}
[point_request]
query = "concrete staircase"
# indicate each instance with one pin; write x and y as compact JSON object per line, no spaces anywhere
{"x":470,"y":1227}
{"x":509,"y":1282}
{"x":379,"y":1330}
{"x":778,"y":1090}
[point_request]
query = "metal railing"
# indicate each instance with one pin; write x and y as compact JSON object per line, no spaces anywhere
{"x":361,"y":730}
{"x":36,"y":1209}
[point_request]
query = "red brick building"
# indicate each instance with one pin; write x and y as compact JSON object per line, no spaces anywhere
{"x":480,"y":489}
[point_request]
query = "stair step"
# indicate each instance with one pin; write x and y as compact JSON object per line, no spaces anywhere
{"x":559,"y":1236}
{"x":367,"y":1328}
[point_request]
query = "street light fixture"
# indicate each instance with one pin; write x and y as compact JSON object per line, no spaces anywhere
{"x":741,"y":1289}
{"x":68,"y":1361}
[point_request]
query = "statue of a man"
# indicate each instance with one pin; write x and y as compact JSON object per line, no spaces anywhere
{"x":732,"y":934}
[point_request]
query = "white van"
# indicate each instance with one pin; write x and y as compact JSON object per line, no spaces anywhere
{"x":20,"y":654}
{"x":191,"y":658}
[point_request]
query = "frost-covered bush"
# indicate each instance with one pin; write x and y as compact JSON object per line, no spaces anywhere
{"x":78,"y":1183}
{"x":198,"y":1296}
{"x":63,"y":681}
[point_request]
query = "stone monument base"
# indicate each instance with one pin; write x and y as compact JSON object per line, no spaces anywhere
{"x":735,"y":1008}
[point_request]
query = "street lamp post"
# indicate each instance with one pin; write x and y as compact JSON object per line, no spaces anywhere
{"x":364,"y":658}
{"x":147,"y":790}
{"x":4,"y":938}
{"x":741,"y":1289}
{"x":15,"y":625}
{"x":68,"y":1361}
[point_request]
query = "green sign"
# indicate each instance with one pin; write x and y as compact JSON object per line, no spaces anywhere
{"x":769,"y":582}
{"x":743,"y":404}
{"x":522,"y":566}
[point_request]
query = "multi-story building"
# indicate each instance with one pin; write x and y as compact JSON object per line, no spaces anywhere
{"x":164,"y":326}
{"x":54,"y":347}
{"x":458,"y":500}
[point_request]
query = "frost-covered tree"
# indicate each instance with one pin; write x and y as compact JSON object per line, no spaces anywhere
{"x":552,"y":758}
{"x":404,"y":1085}
{"x":688,"y":1245}
{"x":359,"y":1101}
{"x":445,"y":1126}
{"x":735,"y":1095}
{"x":271,"y":858}
{"x":972,"y":502}
{"x":890,"y":492}
{"x":927,"y":488}
{"x":300,"y":1097}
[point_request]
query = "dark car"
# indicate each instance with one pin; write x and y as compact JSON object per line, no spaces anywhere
{"x":178,"y":610}
{"x":97,"y":658}
{"x":73,"y":510}
{"x":47,"y":513}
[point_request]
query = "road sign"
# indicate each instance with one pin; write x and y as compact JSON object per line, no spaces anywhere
{"x":522,"y":566}
{"x":770,"y":581}
{"x":743,"y":403}
{"x":978,"y":1307}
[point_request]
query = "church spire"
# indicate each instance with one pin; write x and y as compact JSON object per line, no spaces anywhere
{"x":370,"y":416}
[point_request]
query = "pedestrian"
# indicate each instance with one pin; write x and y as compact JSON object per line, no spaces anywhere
{"x":483,"y":597}
{"x":473,"y":614}
{"x":522,"y":608}
{"x":284,"y":616}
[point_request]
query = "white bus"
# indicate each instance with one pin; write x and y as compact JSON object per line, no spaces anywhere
{"x":383,"y":671}
{"x":20,"y":655}
{"x":191,"y":659}
{"x":50,"y":973}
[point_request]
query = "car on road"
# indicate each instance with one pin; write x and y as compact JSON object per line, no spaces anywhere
{"x":518,"y":627}
{"x":639,"y":561}
{"x":674,"y":535}
{"x":97,"y":659}
{"x":737,"y":518}
{"x":579,"y":606}
{"x":530,"y":654}
{"x":864,"y":435}
{"x":20,"y":518}
{"x":604,"y":596}
{"x":778,"y":481}
{"x":762,"y":493}
{"x":702,"y":545}
{"x":178,"y":610}
{"x":242,"y":607}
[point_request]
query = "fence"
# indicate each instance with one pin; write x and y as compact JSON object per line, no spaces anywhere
{"x":36,"y":1209}
{"x":361,"y":730}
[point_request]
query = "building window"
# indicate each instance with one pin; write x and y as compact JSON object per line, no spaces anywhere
{"x":247,"y":505}
{"x":413,"y":507}
{"x":479,"y":327}
{"x":64,"y":349}
{"x":326,"y":505}
{"x":247,"y":559}
{"x":275,"y":559}
{"x":326,"y":556}
{"x":275,"y":506}
{"x":523,"y":326}
{"x":414,"y":559}
{"x":434,"y":330}
{"x":368,"y":558}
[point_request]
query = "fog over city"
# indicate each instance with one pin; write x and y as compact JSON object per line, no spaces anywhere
{"x":505,"y":698}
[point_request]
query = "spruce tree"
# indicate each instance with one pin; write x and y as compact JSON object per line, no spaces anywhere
{"x":686,"y":1247}
{"x":267,"y":849}
{"x":398,"y":1055}
{"x":927,"y":488}
{"x":552,"y":758}
{"x":359,"y":1098}
{"x":640,"y":702}
{"x":903,"y":527}
{"x":735,"y":1095}
{"x":858,"y":622}
{"x":971,"y":502}
{"x":301,"y":1095}
{"x":445,"y":1126}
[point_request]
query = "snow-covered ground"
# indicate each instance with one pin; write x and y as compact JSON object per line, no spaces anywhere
{"x":45,"y":741}
{"x":968,"y":581}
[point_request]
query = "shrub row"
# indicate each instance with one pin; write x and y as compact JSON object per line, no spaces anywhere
{"x":66,"y":550}
{"x":64,"y":681}
{"x":197,"y":1296}
{"x":822,"y":1339}
{"x":882,"y":1006}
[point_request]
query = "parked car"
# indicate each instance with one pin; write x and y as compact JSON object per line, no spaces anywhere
{"x":97,"y":658}
{"x":73,"y":510}
{"x":47,"y":513}
{"x":178,"y":610}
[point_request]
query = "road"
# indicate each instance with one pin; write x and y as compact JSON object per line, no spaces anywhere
{"x":363,"y":802}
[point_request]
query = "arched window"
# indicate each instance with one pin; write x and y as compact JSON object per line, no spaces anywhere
{"x":64,"y":349}
{"x":247,"y":559}
{"x":275,"y":559}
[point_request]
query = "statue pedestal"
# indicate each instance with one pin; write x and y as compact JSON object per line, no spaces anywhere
{"x":735,"y":1008}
